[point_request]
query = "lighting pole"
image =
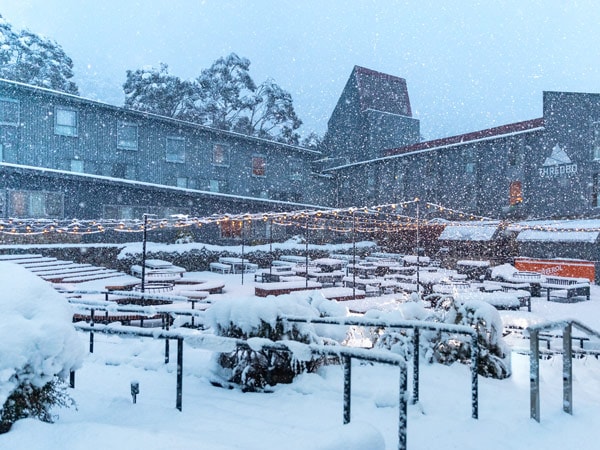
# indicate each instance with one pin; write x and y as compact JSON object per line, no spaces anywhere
{"x":418,"y":288}
{"x":353,"y":255}
{"x":145,"y":216}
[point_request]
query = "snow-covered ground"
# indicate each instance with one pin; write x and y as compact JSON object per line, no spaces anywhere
{"x":308,"y":413}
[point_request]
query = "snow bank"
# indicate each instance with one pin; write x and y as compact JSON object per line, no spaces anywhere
{"x":37,"y":338}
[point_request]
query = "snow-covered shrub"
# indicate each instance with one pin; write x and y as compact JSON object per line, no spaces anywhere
{"x":494,"y":356}
{"x":255,"y":320}
{"x":38,"y":346}
{"x":446,"y":348}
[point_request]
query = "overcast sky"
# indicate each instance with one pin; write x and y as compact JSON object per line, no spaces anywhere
{"x":469,"y":65}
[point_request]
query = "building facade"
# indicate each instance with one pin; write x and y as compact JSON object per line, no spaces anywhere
{"x":371,"y":154}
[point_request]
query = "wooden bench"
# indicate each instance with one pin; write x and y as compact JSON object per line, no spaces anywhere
{"x":220,"y":267}
{"x":574,"y":287}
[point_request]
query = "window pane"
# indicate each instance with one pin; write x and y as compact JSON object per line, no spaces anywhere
{"x":127,"y":136}
{"x":9,"y":112}
{"x":258,"y":166}
{"x":515,"y":194}
{"x":175,"y":150}
{"x":65,"y":122}
{"x":220,"y":155}
{"x":77,"y":165}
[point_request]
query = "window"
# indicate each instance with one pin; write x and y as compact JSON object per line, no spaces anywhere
{"x":218,"y":186}
{"x":295,"y":169}
{"x":596,"y":140}
{"x":258,"y":166}
{"x":595,"y":191}
{"x":127,"y":135}
{"x":182,"y":182}
{"x":175,"y":150}
{"x":220,"y":155}
{"x":468,"y":156}
{"x":65,"y":121}
{"x":35,"y":204}
{"x":77,"y":165}
{"x":515,"y":193}
{"x":9,"y":112}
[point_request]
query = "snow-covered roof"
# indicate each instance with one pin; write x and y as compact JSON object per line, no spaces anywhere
{"x":468,"y":231}
{"x":65,"y":173}
{"x":584,"y":230}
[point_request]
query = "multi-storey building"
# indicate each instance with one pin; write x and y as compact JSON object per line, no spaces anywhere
{"x":54,"y":147}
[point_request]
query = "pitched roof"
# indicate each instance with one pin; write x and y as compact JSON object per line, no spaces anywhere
{"x":528,"y":125}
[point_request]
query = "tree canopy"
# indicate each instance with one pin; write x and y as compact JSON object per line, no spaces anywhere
{"x":223,"y":96}
{"x":33,"y":59}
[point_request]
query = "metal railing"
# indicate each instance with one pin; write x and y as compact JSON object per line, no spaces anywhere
{"x":417,"y":326}
{"x":534,"y":361}
{"x":225,"y":344}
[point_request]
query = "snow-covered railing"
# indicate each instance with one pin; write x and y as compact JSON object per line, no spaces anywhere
{"x":416,"y":326}
{"x":534,"y":361}
{"x":224,"y":344}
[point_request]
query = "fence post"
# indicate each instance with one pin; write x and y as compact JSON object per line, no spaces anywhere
{"x":165,"y":319}
{"x":347,"y":387}
{"x":567,"y":369}
{"x":92,"y":331}
{"x":179,"y":372}
{"x":402,"y":407}
{"x":415,"y":395}
{"x":534,"y":375}
{"x":474,"y":377}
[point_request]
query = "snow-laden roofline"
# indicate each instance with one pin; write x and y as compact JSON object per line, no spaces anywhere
{"x":66,"y":173}
{"x":440,"y":147}
{"x":155,"y":116}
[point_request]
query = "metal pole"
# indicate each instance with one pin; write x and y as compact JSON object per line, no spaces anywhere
{"x":306,"y":249}
{"x":418,"y":288}
{"x":474,"y":377}
{"x":567,"y":369}
{"x":403,"y":407}
{"x":353,"y":256}
{"x":534,"y":375}
{"x":415,"y":395}
{"x":92,"y":332}
{"x":166,"y":320}
{"x":271,"y":248}
{"x":179,"y":373}
{"x":243,"y":242}
{"x":142,"y":287}
{"x":347,"y":387}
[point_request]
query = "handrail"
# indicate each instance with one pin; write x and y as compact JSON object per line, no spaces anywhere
{"x":226,"y":344}
{"x":534,"y":361}
{"x":416,"y":326}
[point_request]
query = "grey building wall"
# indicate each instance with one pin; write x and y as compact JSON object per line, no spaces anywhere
{"x":93,"y":148}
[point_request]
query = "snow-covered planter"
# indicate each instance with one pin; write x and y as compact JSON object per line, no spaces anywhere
{"x":256,"y":320}
{"x":38,"y":347}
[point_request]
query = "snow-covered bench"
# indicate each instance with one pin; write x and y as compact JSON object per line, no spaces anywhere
{"x":285,"y":287}
{"x":574,"y":287}
{"x":220,"y":267}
